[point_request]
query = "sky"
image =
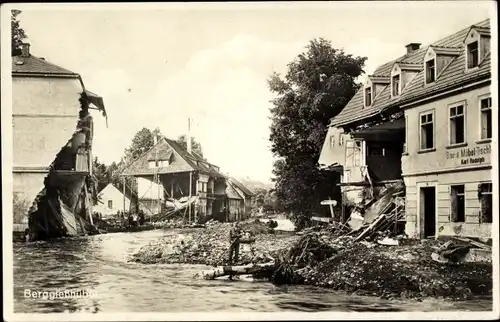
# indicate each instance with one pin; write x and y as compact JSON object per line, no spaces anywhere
{"x":156,"y":67}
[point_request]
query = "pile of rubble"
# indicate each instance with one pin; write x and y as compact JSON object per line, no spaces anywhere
{"x":210,"y":246}
{"x":387,"y":266}
{"x":370,"y":260}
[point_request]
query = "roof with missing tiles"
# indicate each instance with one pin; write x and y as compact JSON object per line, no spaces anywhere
{"x":453,"y":74}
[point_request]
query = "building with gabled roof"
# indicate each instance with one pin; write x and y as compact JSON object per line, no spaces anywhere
{"x":180,"y":173}
{"x":425,"y":118}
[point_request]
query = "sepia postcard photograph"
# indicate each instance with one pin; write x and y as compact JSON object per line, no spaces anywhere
{"x":250,"y":161}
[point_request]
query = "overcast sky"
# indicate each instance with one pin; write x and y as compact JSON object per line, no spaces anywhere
{"x":157,"y":67}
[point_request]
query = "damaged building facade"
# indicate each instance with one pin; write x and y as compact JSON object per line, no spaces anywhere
{"x":185,"y":176}
{"x":425,"y":120}
{"x":52,"y":135}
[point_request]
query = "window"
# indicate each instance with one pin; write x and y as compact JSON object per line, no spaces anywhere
{"x":472,"y":55}
{"x":486,"y":118}
{"x":458,"y":203}
{"x":395,"y":85}
{"x":485,"y":193}
{"x":357,"y":154}
{"x":152,"y":164}
{"x":368,"y":96}
{"x":332,"y":141}
{"x":110,"y":204}
{"x":430,"y":72}
{"x":457,"y":124}
{"x":426,"y":131}
{"x":374,"y":150}
{"x":341,"y":139}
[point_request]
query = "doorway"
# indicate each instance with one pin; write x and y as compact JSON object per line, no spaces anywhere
{"x":428,"y":211}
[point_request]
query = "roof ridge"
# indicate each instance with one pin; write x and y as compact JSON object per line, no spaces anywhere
{"x":424,"y":48}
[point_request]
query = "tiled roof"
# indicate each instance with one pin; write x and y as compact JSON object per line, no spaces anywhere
{"x":241,"y":186}
{"x":452,"y":75}
{"x":38,"y":66}
{"x":232,"y":193}
{"x":165,"y":147}
{"x":195,"y":160}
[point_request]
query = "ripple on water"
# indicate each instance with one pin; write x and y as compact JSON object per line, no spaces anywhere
{"x":99,"y":263}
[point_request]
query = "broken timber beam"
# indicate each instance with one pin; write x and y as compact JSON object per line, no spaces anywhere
{"x":237,"y":270}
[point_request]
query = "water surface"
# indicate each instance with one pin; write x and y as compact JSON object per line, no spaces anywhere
{"x":99,"y":264}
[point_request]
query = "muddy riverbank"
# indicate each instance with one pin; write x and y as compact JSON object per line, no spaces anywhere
{"x":403,"y":271}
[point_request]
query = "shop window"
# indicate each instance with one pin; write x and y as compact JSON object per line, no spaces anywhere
{"x":458,"y":203}
{"x":457,"y":124}
{"x":426,"y":131}
{"x":110,"y":204}
{"x":486,"y":118}
{"x":485,"y":192}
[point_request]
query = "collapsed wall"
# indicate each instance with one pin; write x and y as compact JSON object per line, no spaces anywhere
{"x":63,"y":206}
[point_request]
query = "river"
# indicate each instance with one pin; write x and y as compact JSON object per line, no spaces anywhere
{"x":99,"y":264}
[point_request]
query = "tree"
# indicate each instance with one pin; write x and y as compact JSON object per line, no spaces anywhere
{"x":317,"y":85}
{"x":196,"y":146}
{"x":100,"y":171}
{"x":18,"y":34}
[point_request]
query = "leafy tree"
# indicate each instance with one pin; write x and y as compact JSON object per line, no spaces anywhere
{"x":100,"y":171}
{"x":317,"y":85}
{"x":18,"y":34}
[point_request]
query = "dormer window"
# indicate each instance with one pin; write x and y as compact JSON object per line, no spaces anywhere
{"x":368,"y":96}
{"x":477,"y":44}
{"x":430,"y":71}
{"x":395,"y":85}
{"x":473,"y":55}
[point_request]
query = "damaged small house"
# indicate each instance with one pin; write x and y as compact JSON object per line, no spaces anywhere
{"x":52,"y":148}
{"x":194,"y":187}
{"x":422,"y":124}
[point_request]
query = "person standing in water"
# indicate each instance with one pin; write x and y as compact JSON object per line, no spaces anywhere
{"x":234,"y":240}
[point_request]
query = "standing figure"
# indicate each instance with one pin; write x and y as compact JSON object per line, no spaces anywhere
{"x":234,"y":240}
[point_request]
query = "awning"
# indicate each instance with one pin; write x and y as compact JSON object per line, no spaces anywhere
{"x":97,"y":101}
{"x":332,"y":167}
{"x":383,"y":131}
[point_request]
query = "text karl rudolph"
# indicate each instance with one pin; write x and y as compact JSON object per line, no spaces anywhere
{"x":475,"y":155}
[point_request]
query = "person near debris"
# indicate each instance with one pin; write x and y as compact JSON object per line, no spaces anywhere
{"x":27,"y":235}
{"x":234,"y":240}
{"x":130,"y":220}
{"x":141,"y":217}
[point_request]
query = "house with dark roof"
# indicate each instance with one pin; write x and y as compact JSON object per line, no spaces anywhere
{"x":181,"y":173}
{"x":426,"y":118}
{"x":244,"y":192}
{"x":46,"y":101}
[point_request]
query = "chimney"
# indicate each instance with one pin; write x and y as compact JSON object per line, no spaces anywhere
{"x":155,"y":139}
{"x":25,"y":49}
{"x":411,"y":47}
{"x":188,"y":137}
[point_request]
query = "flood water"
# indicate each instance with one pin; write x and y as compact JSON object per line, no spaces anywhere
{"x":98,"y":264}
